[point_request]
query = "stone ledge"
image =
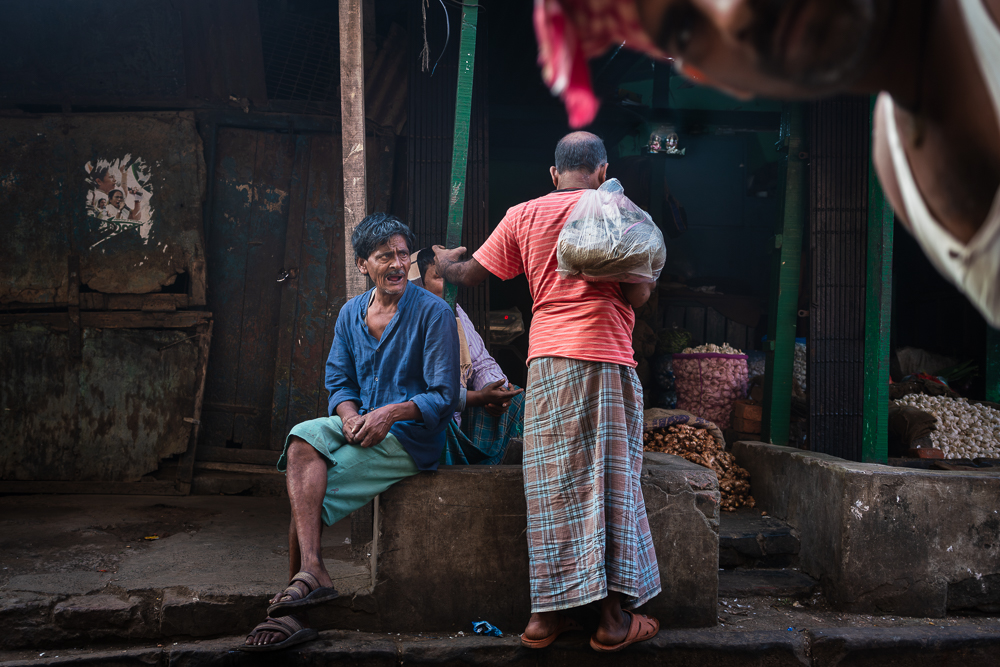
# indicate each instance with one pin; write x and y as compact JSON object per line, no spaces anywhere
{"x":458,"y":537}
{"x":883,"y":539}
{"x":828,"y":647}
{"x":96,"y":611}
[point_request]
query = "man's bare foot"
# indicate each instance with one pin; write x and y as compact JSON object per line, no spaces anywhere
{"x":613,"y":631}
{"x":542,"y":624}
{"x":278,"y":633}
{"x":323,"y":578}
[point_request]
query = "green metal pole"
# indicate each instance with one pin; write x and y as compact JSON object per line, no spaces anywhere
{"x":780,"y":359}
{"x":460,"y":145}
{"x":878,"y":302}
{"x":992,"y":364}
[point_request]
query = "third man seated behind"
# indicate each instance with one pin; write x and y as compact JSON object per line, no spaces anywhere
{"x":494,"y":409}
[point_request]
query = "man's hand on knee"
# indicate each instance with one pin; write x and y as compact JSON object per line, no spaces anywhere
{"x":352,"y":427}
{"x":375,"y":426}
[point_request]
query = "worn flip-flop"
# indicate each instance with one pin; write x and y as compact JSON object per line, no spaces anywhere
{"x":640,"y":629}
{"x":566,"y":624}
{"x":303,"y":592}
{"x":294,"y":631}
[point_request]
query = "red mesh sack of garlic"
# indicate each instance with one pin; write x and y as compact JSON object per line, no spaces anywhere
{"x":709,"y":381}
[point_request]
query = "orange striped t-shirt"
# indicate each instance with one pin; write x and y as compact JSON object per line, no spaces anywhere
{"x":571,"y":318}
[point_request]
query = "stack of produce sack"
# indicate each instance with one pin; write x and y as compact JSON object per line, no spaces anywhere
{"x":964,"y":430}
{"x":709,"y":381}
{"x":700,"y":442}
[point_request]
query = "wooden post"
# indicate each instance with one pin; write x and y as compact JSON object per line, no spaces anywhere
{"x":460,"y":143}
{"x":352,"y":111}
{"x":878,"y":301}
{"x":780,"y":350}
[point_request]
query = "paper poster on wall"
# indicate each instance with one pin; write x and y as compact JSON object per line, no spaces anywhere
{"x":120,"y":196}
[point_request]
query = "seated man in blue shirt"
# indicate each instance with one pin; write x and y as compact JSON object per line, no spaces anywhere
{"x":393,"y":377}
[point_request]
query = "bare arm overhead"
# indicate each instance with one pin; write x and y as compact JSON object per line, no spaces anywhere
{"x":637,"y":294}
{"x":450,"y":265}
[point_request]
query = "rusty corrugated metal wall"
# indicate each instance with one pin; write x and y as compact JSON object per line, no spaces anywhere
{"x":430,"y":123}
{"x":838,"y":209}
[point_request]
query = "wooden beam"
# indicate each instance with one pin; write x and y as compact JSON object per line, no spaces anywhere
{"x":878,"y":303}
{"x":260,"y":457}
{"x":80,"y":488}
{"x":352,"y":110}
{"x":185,"y":471}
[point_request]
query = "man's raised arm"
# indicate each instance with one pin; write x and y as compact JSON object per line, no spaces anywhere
{"x":451,"y":267}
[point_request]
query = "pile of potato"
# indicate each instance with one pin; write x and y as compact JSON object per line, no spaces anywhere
{"x":699,"y":446}
{"x":964,"y":430}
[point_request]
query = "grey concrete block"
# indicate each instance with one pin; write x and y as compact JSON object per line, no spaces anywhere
{"x":453,"y":547}
{"x":882,"y":539}
{"x":453,"y":550}
{"x":96,"y":611}
{"x":24,"y":617}
{"x":772,"y":583}
{"x":686,"y":537}
{"x":926,"y":646}
{"x":185,"y":613}
{"x":59,"y":583}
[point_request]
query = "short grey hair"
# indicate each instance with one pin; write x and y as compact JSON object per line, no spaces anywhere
{"x":580,"y":151}
{"x":377,"y":229}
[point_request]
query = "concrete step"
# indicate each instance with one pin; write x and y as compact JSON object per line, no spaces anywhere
{"x":826,"y":647}
{"x":748,"y":538}
{"x":771,"y":583}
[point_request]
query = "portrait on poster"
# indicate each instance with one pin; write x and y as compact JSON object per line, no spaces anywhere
{"x":120,"y":195}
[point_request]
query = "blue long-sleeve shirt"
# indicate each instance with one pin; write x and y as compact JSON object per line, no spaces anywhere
{"x":417,"y":359}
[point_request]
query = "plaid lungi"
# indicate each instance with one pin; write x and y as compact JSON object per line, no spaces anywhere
{"x":587,"y":527}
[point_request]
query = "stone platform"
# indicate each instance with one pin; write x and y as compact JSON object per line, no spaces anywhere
{"x":882,"y":539}
{"x":458,"y":538}
{"x":452,"y":550}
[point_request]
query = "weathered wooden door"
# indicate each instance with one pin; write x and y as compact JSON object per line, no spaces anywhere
{"x":274,"y":249}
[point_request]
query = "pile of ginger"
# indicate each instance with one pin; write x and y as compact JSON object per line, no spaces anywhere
{"x":699,"y":446}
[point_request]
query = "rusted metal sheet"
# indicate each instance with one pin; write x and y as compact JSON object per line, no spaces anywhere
{"x":50,"y":205}
{"x":95,"y":52}
{"x":222,"y":51}
{"x":110,"y":416}
{"x":386,"y":83}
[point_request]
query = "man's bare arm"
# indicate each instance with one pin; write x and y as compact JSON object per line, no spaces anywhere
{"x":637,"y":294}
{"x":451,"y":267}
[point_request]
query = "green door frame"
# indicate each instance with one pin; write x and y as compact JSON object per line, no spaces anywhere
{"x":878,"y":304}
{"x":460,"y":144}
{"x":780,"y":350}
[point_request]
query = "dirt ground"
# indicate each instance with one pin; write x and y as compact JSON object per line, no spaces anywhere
{"x":766,"y":613}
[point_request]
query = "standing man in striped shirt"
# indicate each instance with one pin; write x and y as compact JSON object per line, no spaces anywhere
{"x":588,"y":536}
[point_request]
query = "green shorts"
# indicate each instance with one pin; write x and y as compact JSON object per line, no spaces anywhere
{"x":354,"y":475}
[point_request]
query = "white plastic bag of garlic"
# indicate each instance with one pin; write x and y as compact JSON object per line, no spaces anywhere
{"x":964,"y":430}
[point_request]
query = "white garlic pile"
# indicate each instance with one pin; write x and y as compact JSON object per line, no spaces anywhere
{"x":964,"y":430}
{"x":711,"y":348}
{"x":799,"y":370}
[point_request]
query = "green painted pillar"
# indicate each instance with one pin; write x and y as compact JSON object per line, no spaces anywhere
{"x":878,"y":304}
{"x":992,"y":364}
{"x":460,"y":145}
{"x":783,"y":310}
